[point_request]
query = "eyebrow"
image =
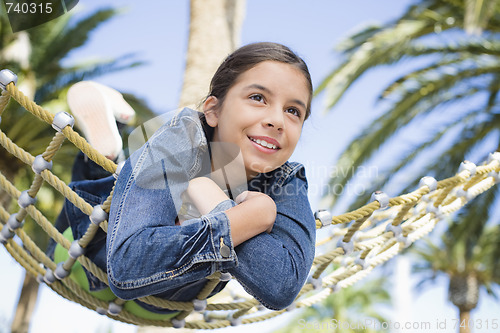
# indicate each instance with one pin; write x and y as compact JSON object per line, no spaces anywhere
{"x":267,"y":90}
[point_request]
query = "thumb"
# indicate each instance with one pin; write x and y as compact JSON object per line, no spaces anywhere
{"x":241,"y":197}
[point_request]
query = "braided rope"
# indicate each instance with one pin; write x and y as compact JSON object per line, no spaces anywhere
{"x":72,"y":136}
{"x":374,"y":235}
{"x":4,"y":100}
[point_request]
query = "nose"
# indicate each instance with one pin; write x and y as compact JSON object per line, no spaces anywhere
{"x":275,"y":119}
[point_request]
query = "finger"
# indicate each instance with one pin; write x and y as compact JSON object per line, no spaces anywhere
{"x":241,"y":197}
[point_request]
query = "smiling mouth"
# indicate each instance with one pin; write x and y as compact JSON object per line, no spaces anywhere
{"x":264,"y":143}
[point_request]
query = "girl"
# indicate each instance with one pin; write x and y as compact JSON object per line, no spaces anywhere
{"x":171,"y":224}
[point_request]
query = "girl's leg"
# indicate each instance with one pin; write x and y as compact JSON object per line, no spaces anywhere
{"x":95,"y":108}
{"x":86,"y":169}
{"x":93,"y":192}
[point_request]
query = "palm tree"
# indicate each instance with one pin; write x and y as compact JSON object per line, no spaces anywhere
{"x":353,"y":309}
{"x":446,"y":94}
{"x":467,"y":256}
{"x":35,"y":56}
{"x":214,"y":32}
{"x":446,"y":99}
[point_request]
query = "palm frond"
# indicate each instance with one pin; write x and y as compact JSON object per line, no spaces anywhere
{"x":477,"y":14}
{"x":416,"y":152}
{"x":68,"y":39}
{"x":385,"y":49}
{"x":67,"y":76}
{"x":386,"y":45}
{"x":423,"y":96}
{"x":454,"y":87}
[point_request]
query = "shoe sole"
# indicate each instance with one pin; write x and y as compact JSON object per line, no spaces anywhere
{"x":122,"y":111}
{"x":94,"y":117}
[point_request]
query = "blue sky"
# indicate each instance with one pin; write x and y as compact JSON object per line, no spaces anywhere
{"x":157,"y":32}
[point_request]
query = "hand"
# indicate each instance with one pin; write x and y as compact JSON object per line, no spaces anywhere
{"x":246,"y":195}
{"x":263,"y":203}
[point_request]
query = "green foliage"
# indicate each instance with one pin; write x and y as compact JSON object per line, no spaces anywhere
{"x":48,"y":45}
{"x":446,"y":100}
{"x":469,"y":247}
{"x":353,"y":309}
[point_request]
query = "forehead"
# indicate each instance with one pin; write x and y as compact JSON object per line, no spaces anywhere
{"x":277,"y":76}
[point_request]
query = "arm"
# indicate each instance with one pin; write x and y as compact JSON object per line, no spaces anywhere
{"x":255,"y":212}
{"x":273,"y":267}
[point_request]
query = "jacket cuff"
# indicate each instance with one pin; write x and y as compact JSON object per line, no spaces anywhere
{"x":221,"y":235}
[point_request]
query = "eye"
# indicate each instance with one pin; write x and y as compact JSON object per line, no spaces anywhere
{"x":257,"y":97}
{"x":294,"y":111}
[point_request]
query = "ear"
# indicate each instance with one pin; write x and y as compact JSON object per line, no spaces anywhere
{"x":210,"y":107}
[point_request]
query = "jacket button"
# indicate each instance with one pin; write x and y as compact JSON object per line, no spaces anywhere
{"x":225,"y":251}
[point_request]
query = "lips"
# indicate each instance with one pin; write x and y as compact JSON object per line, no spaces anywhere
{"x":265,"y":142}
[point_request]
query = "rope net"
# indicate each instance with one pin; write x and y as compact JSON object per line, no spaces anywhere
{"x":371,"y":235}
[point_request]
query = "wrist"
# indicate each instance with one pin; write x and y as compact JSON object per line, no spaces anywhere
{"x":205,"y":194}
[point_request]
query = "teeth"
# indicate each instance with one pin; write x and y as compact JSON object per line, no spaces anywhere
{"x":264,"y":143}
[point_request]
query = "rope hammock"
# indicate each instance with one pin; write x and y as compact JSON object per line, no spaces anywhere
{"x":372,"y":235}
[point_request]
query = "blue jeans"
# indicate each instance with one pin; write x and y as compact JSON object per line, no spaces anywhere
{"x":93,"y":184}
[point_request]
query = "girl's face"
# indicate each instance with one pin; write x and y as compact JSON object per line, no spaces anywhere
{"x":263,"y":114}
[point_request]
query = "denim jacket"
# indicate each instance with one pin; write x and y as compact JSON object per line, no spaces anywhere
{"x":148,"y":254}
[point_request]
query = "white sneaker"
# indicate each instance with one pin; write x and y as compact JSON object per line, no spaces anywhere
{"x":122,"y":111}
{"x":94,"y":115}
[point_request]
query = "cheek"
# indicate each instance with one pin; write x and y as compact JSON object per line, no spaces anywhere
{"x":229,"y":134}
{"x":295,"y":136}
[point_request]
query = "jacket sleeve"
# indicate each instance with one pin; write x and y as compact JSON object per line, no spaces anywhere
{"x":146,"y":252}
{"x":273,"y":267}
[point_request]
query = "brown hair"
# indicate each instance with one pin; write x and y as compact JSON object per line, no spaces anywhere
{"x":249,"y":56}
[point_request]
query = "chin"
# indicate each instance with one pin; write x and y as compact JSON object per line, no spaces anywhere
{"x":264,"y":169}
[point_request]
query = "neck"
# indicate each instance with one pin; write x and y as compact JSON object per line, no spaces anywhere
{"x":228,"y":169}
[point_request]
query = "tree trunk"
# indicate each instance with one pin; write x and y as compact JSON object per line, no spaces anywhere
{"x":214,"y":32}
{"x":26,"y":305}
{"x":464,"y":326}
{"x":477,"y":15}
{"x":463,"y":292}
